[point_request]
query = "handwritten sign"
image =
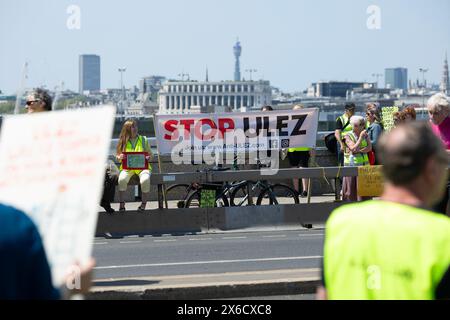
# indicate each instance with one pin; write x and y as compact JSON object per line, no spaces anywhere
{"x":388,"y":117}
{"x":53,"y":166}
{"x":370,"y":181}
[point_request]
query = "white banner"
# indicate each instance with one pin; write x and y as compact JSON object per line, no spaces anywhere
{"x":236,"y":132}
{"x":52,"y":167}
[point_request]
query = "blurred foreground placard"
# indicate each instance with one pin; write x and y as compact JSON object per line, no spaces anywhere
{"x":53,"y":166}
{"x":370,"y":181}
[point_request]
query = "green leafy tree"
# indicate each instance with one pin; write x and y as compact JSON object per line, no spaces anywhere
{"x":7,"y":108}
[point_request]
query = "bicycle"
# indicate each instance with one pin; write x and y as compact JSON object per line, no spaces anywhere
{"x":179,"y":191}
{"x":269,"y":194}
{"x":192,"y":193}
{"x":222,"y":190}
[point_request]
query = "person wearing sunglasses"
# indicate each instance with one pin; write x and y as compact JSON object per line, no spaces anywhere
{"x":38,"y":101}
{"x":24,"y":269}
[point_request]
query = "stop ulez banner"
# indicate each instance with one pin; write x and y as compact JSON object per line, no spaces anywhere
{"x":236,"y":131}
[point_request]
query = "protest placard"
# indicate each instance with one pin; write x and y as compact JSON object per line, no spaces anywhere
{"x":387,"y":114}
{"x":53,"y":166}
{"x":370,"y":181}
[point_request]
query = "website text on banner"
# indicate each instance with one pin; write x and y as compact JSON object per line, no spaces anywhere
{"x":53,"y":166}
{"x":236,"y":132}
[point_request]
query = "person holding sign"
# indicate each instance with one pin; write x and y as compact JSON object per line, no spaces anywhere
{"x":24,"y":269}
{"x":394,"y":248}
{"x":357,"y":145}
{"x":39,"y":100}
{"x":25,"y":272}
{"x":134,"y":153}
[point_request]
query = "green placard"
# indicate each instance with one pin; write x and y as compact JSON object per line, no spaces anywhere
{"x":136,"y":161}
{"x":207,"y":198}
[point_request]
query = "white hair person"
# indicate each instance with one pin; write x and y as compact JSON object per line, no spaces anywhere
{"x":358,"y":120}
{"x":438,"y":102}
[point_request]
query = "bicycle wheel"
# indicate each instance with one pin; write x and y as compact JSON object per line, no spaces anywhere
{"x":177,"y":192}
{"x":239,"y":195}
{"x":194,"y":200}
{"x":278,"y":194}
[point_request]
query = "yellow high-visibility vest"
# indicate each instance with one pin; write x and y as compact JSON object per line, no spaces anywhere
{"x":360,"y":159}
{"x":141,"y":144}
{"x":344,"y":119}
{"x":299,"y":149}
{"x":384,"y":250}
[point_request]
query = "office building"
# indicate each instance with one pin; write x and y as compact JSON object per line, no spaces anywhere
{"x":177,"y":97}
{"x":396,"y":78}
{"x":89,"y":73}
{"x":334,"y":88}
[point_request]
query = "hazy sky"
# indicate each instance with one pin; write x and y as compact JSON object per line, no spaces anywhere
{"x":290,"y":42}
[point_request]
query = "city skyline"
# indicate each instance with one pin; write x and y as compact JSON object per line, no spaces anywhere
{"x":290,"y":43}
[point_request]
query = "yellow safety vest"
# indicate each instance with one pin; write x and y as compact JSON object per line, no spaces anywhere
{"x":141,"y":146}
{"x":299,"y":149}
{"x":344,"y":119}
{"x":384,"y":250}
{"x":360,"y":159}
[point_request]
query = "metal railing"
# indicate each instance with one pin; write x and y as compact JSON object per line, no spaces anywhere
{"x":163,"y":179}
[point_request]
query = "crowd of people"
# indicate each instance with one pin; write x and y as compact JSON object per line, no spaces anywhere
{"x":395,"y":247}
{"x":398,"y":246}
{"x":357,"y":137}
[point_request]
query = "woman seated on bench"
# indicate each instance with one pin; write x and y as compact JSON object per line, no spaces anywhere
{"x":131,"y":141}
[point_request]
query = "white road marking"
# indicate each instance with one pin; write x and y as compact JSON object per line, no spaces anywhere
{"x":100,"y":242}
{"x":205,"y":262}
{"x":168,"y":240}
{"x":275,"y":236}
{"x":229,"y":238}
{"x":311,"y":234}
{"x":130,"y":241}
{"x":200,"y":239}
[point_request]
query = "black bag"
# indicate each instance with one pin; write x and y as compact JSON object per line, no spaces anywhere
{"x":330,"y":140}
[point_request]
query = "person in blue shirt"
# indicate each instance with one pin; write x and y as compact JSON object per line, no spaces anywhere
{"x":374,"y":127}
{"x":24,"y":270}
